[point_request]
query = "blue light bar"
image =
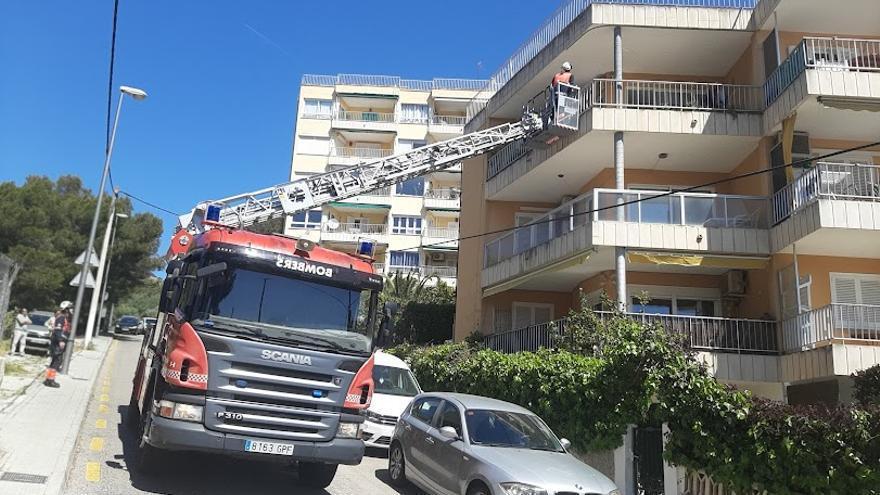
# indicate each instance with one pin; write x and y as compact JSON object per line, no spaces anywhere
{"x":366,"y":247}
{"x":212,"y":214}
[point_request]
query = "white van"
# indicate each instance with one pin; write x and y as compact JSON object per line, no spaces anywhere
{"x":395,"y":386}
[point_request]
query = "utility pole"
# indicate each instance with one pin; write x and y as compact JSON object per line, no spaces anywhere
{"x":97,"y":292}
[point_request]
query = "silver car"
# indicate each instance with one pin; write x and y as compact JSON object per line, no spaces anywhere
{"x":461,"y":444}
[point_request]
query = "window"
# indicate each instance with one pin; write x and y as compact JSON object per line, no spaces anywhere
{"x":788,"y":292}
{"x":313,"y":145}
{"x":404,"y":258}
{"x":404,"y":145}
{"x":528,"y":314}
{"x":510,"y":429}
{"x":852,"y":288}
{"x":425,"y":409}
{"x":407,"y":225}
{"x":674,"y":306}
{"x":412,"y":113}
{"x":306,"y":220}
{"x":395,"y":381}
{"x":317,"y":109}
{"x":450,"y":416}
{"x":412,"y":187}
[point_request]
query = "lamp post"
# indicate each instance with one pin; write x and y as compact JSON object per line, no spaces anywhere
{"x":137,"y":94}
{"x":104,"y":285}
{"x":103,"y":264}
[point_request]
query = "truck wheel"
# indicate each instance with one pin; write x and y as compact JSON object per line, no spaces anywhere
{"x":396,"y":466}
{"x":316,"y":474}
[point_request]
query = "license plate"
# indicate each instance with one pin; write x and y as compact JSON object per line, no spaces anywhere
{"x":268,"y":447}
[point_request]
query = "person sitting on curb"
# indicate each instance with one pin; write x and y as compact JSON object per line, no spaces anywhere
{"x":57,"y":342}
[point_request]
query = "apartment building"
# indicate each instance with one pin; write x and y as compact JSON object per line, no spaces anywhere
{"x":774,"y":278}
{"x":346,"y":119}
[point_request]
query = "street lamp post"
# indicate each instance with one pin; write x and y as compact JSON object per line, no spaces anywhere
{"x":137,"y":94}
{"x":105,"y":284}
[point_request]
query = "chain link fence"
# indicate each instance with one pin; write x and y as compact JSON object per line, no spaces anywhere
{"x":9,"y":269}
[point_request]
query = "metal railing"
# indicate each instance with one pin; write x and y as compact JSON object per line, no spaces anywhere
{"x":700,"y":332}
{"x":443,"y":232}
{"x":834,"y":54}
{"x":366,"y":153}
{"x":382,"y":192}
{"x":356,"y":228}
{"x":393,"y":81}
{"x":677,"y":95}
{"x":440,"y":271}
{"x":556,"y":223}
{"x":827,"y":180}
{"x":360,"y":116}
{"x":448,"y":120}
{"x":443,"y":193}
{"x":561,"y":19}
{"x":835,"y":322}
{"x":701,"y":209}
{"x":505,"y":157}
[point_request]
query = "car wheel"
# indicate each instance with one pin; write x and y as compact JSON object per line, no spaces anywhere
{"x":316,"y":474}
{"x":478,"y":488}
{"x":396,"y":465}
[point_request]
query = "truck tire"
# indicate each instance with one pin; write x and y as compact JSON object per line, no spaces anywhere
{"x":316,"y":474}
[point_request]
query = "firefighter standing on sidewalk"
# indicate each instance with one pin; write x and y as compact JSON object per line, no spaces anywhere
{"x":57,"y":341}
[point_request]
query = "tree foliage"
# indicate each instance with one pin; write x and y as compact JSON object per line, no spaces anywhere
{"x":426,"y":310}
{"x":867,"y":386}
{"x":628,"y":373}
{"x":143,"y":300}
{"x":45,"y":226}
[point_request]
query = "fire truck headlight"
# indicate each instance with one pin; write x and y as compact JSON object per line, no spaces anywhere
{"x":183,"y":412}
{"x":349,"y":430}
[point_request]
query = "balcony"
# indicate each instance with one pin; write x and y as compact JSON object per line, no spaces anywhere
{"x":505,"y":157}
{"x":443,"y":199}
{"x":442,"y":272}
{"x":352,"y":156}
{"x":832,"y":324}
{"x":440,"y":237}
{"x":702,"y":333}
{"x":353,"y":232}
{"x":832,"y":209}
{"x":447,"y":125}
{"x":364,"y":121}
{"x":666,"y":95}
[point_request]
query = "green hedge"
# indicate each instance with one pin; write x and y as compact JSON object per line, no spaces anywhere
{"x":638,"y":375}
{"x":426,"y":323}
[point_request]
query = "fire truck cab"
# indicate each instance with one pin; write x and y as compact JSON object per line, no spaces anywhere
{"x":262,"y":350}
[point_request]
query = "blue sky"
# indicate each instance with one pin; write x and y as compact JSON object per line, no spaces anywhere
{"x":223,"y":77}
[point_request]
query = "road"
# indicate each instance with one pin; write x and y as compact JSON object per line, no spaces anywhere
{"x":105,"y":444}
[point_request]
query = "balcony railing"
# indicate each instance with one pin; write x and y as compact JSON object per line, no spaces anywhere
{"x":443,"y":193}
{"x":356,"y":228}
{"x":506,"y":157}
{"x":441,"y":232}
{"x":835,"y":322}
{"x":666,"y":95}
{"x":830,"y":181}
{"x":393,"y":81}
{"x":426,"y":270}
{"x":834,"y":54}
{"x":700,"y":332}
{"x":359,"y":116}
{"x":448,"y":120}
{"x":556,"y":223}
{"x":700,"y":209}
{"x":360,"y":153}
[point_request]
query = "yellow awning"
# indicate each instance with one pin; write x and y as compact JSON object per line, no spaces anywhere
{"x":688,"y":259}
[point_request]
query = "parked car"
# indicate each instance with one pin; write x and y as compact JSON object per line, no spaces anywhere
{"x":470,"y":445}
{"x":148,"y":324}
{"x":395,"y":386}
{"x":38,"y":331}
{"x":129,"y":325}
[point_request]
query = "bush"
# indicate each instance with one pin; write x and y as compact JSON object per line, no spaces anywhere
{"x":627,"y":373}
{"x":867,"y":386}
{"x":426,"y":323}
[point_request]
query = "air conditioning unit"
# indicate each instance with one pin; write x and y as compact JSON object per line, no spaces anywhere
{"x":734,"y":283}
{"x":438,"y":256}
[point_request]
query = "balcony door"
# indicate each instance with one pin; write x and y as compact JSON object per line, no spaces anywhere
{"x":529,"y":314}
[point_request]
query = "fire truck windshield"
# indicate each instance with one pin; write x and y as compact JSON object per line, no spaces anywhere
{"x":280,"y":307}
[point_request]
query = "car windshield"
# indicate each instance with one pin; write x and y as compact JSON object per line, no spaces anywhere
{"x":510,"y":429}
{"x":38,"y":319}
{"x":395,"y":381}
{"x":128,"y":320}
{"x":272,"y":306}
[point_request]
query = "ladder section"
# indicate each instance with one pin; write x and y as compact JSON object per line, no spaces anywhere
{"x":316,"y":190}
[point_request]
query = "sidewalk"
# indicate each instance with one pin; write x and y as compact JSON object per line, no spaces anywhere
{"x":38,"y":430}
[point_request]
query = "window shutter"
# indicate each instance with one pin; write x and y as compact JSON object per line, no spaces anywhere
{"x":870,"y":291}
{"x":845,"y":291}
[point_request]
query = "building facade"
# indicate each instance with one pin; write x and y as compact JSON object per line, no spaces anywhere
{"x":347,"y":119}
{"x":774,"y":277}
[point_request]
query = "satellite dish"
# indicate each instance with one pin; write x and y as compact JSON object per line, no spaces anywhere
{"x":333,"y":224}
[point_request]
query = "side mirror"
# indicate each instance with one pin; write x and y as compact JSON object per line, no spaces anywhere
{"x":565,"y":443}
{"x":449,"y":433}
{"x":211,"y":269}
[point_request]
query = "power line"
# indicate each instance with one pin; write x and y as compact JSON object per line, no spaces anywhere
{"x":110,"y":88}
{"x":652,"y":197}
{"x":151,"y":205}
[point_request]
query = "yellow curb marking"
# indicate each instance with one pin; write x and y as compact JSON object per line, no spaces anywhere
{"x":103,"y":408}
{"x":105,"y":389}
{"x":96,"y":444}
{"x":93,"y":471}
{"x":101,"y":423}
{"x":105,"y":398}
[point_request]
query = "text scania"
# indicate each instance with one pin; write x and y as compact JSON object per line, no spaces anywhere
{"x":286,"y":357}
{"x":302,"y":266}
